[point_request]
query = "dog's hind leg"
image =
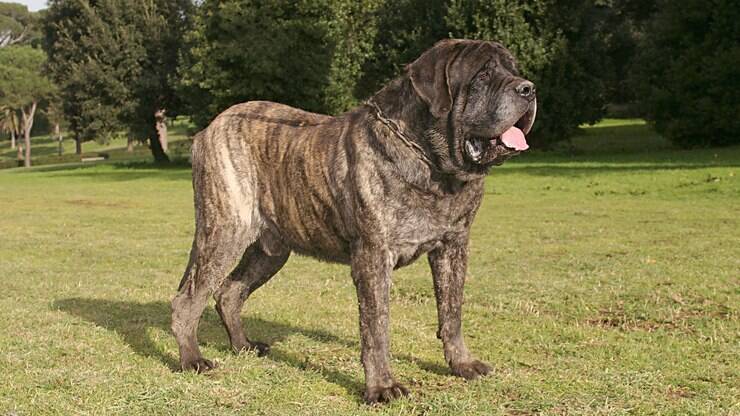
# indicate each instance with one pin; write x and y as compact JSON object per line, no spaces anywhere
{"x":210,"y":261}
{"x":255,"y":268}
{"x":187,"y":307}
{"x":227,"y":222}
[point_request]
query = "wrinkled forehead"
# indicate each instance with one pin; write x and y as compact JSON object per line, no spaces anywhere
{"x":474,"y":55}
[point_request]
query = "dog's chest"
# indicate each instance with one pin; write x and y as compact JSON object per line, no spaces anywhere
{"x":416,"y":225}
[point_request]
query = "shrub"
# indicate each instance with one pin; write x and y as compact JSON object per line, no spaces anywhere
{"x":686,"y":72}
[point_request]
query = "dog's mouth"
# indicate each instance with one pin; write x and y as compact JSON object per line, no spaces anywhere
{"x":495,"y":150}
{"x":487,"y":151}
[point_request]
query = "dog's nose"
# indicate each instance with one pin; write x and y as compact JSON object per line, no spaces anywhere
{"x":525,"y":89}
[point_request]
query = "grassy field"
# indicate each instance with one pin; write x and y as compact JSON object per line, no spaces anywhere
{"x":604,"y":279}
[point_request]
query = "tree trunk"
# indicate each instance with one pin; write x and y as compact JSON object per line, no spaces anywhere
{"x":161,"y":122}
{"x":78,"y":145}
{"x":154,"y":144}
{"x":27,"y":126}
{"x":58,"y":133}
{"x":130,"y":143}
{"x":12,"y":138}
{"x":19,"y":147}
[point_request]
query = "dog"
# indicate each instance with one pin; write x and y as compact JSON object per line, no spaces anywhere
{"x":375,"y":188}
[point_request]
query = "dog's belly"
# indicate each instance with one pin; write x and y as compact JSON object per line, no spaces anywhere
{"x":316,"y":234}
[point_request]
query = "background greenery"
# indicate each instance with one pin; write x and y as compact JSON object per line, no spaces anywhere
{"x":672,"y":65}
{"x":115,"y":63}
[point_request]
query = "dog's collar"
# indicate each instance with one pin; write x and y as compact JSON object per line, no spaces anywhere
{"x":398,"y":131}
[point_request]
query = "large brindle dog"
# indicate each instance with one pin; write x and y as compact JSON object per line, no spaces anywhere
{"x":375,"y":188}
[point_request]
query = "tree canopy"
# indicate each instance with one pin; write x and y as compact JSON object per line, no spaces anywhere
{"x":114,"y":61}
{"x":18,"y":26}
{"x":22,"y":80}
{"x":305,"y":53}
{"x":329,"y":55}
{"x":123,"y":64}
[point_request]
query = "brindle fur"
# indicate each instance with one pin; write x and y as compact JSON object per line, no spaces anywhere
{"x":270,"y":179}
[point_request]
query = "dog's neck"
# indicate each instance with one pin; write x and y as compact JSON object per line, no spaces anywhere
{"x":408,"y":139}
{"x":402,"y":113}
{"x":399,"y":102}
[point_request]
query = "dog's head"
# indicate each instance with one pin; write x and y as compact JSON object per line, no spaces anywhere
{"x":481,"y":108}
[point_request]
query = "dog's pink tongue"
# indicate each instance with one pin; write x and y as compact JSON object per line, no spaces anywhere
{"x":514,"y":138}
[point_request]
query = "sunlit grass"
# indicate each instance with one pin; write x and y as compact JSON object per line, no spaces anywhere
{"x":601,"y":282}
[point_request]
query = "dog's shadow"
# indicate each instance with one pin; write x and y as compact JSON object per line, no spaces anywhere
{"x":131,"y":320}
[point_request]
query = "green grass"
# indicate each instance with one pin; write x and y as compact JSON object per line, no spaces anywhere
{"x":604,"y":279}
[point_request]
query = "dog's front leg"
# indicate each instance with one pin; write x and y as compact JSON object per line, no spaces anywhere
{"x":449,"y":265}
{"x":371,"y":273}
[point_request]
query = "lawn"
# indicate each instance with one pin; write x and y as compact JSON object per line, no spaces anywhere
{"x":604,"y":279}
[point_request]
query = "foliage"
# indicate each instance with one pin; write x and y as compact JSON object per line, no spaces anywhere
{"x":686,"y":72}
{"x":93,"y":56}
{"x":114,"y":61}
{"x":22,"y":80}
{"x":306,"y":53}
{"x":405,"y":29}
{"x":18,"y":26}
{"x":328,"y":55}
{"x":119,"y":61}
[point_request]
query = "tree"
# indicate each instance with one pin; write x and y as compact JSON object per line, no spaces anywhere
{"x":114,"y":61}
{"x":305,"y":53}
{"x":686,"y":72}
{"x":162,"y":25}
{"x":18,"y":26}
{"x":93,"y":58}
{"x":9,"y":123}
{"x":55,"y":115}
{"x":23,"y":86}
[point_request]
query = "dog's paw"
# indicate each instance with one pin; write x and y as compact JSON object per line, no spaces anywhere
{"x":385,"y":394}
{"x":199,"y":365}
{"x":470,"y":370}
{"x":260,"y":348}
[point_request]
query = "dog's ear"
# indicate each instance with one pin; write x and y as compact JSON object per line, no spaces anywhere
{"x":430,"y":79}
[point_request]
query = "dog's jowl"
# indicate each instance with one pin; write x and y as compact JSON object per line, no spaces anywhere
{"x":377,"y":187}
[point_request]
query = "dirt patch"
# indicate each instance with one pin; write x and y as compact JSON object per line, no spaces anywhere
{"x":681,"y":319}
{"x":678,"y":313}
{"x":93,"y":203}
{"x":626,"y":324}
{"x":677,"y":392}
